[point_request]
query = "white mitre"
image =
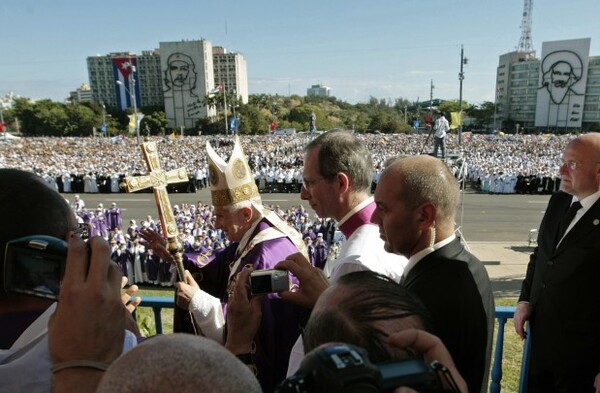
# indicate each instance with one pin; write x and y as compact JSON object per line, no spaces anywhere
{"x":234,"y":182}
{"x":231,"y":182}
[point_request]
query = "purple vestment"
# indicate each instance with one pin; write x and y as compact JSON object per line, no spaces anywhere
{"x":113,"y":217}
{"x":281,"y":321}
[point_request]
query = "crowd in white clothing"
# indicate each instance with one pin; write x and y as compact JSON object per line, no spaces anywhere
{"x":492,"y":163}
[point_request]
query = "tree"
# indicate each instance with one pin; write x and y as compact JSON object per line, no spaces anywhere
{"x":483,"y":114}
{"x":80,"y":120}
{"x":301,"y":115}
{"x":450,"y":106}
{"x":154,"y":123}
{"x":252,"y":120}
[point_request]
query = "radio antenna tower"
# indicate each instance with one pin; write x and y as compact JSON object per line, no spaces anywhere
{"x":525,"y":42}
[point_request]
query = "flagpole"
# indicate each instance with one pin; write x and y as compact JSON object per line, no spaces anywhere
{"x":461,"y":77}
{"x":225,"y":109}
{"x":495,"y":107}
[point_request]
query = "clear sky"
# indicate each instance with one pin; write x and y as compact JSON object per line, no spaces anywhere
{"x":359,"y":48}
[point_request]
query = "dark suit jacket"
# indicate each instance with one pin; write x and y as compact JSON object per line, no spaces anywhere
{"x":450,"y":282}
{"x":563,"y":287}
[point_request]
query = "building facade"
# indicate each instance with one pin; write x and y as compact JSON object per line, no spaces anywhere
{"x":82,"y":94}
{"x":177,"y":77}
{"x":559,"y":92}
{"x":230,"y":70}
{"x":187,"y":77}
{"x":318,"y":91}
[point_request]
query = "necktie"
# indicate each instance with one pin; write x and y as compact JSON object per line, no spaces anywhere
{"x":566,"y":220}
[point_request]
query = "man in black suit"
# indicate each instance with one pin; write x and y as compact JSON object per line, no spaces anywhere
{"x":560,"y":296}
{"x":417,"y":199}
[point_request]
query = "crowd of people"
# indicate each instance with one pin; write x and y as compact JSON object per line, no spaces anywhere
{"x":403,"y":285}
{"x":492,"y":163}
{"x":197,"y":233}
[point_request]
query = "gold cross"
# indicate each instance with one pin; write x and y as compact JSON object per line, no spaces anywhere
{"x":158,"y":179}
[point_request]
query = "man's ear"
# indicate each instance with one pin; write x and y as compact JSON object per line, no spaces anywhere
{"x":343,"y":181}
{"x":247,"y":213}
{"x":427,"y":212}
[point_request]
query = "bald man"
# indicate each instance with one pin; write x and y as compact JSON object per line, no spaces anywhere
{"x":417,"y":199}
{"x":179,"y":363}
{"x":560,"y":296}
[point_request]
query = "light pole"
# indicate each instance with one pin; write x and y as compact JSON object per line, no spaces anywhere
{"x":133,"y":102}
{"x":225,"y":109}
{"x":104,"y":128}
{"x":461,"y":77}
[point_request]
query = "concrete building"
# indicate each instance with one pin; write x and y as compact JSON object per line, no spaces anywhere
{"x":318,"y":91}
{"x":187,"y":77}
{"x":82,"y":94}
{"x":177,"y":77}
{"x":231,"y":70}
{"x":529,"y":93}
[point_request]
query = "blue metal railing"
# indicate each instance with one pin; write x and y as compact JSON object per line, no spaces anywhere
{"x":503,"y":314}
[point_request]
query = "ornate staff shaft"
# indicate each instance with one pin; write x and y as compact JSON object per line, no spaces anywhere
{"x":158,"y":179}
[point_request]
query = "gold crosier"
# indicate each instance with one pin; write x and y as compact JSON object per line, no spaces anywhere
{"x":158,"y":180}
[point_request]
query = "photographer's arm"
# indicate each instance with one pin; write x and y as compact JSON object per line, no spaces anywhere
{"x":86,"y":332}
{"x":244,"y":315}
{"x":431,"y":348}
{"x":312,"y":281}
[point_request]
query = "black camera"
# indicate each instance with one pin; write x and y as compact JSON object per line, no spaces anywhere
{"x":268,"y":281}
{"x":346,"y":368}
{"x":34,"y":265}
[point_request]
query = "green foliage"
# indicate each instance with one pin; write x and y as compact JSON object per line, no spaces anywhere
{"x":252,"y":120}
{"x":154,"y":123}
{"x":483,"y":114}
{"x":452,"y":106}
{"x":387,"y":115}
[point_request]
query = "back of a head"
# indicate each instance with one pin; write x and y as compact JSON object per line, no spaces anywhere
{"x":29,"y":206}
{"x":427,"y":179}
{"x":363,"y":308}
{"x":342,"y":152}
{"x":178,"y":363}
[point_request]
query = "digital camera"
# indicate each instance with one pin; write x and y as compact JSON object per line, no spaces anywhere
{"x":346,"y":368}
{"x":34,"y":265}
{"x":268,"y":281}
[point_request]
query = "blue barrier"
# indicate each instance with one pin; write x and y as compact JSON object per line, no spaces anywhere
{"x":503,"y":314}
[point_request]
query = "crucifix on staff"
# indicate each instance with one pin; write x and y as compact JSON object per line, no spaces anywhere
{"x":158,"y":179}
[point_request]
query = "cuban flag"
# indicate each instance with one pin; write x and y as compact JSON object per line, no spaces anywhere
{"x":217,"y":89}
{"x":123,"y":67}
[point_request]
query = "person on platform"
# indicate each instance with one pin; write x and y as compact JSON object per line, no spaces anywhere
{"x":440,"y":129}
{"x":417,"y":199}
{"x":337,"y":180}
{"x":259,"y":238}
{"x":560,"y":296}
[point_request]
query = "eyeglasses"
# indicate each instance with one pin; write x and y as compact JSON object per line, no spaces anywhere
{"x":572,"y":165}
{"x":309,"y":184}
